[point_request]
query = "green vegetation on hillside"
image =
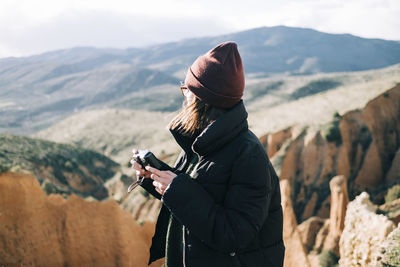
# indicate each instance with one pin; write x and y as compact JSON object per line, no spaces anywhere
{"x":261,"y":91}
{"x":153,"y":101}
{"x":315,"y":87}
{"x":391,"y":253}
{"x":331,"y":131}
{"x":69,"y":168}
{"x":328,"y":259}
{"x":393,"y":193}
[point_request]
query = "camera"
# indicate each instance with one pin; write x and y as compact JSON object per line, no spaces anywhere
{"x":146,"y":158}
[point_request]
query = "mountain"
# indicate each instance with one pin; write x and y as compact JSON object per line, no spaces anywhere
{"x":34,"y":97}
{"x":266,"y":49}
{"x":37,"y":91}
{"x":60,"y":168}
{"x":273,"y":103}
{"x":283,"y":49}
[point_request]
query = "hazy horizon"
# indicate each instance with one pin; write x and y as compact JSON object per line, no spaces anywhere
{"x":172,"y":41}
{"x":31,"y":28}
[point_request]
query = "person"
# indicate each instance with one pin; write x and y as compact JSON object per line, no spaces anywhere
{"x":221,"y":200}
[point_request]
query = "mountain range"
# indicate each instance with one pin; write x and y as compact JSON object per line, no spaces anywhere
{"x":37,"y":91}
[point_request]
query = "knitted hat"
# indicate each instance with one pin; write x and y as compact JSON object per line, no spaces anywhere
{"x":217,"y":77}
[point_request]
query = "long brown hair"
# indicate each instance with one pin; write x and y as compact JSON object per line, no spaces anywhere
{"x":194,"y":117}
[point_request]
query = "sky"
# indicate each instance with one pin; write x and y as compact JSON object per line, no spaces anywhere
{"x":30,"y":27}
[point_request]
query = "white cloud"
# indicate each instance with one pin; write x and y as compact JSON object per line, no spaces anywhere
{"x":6,"y":51}
{"x":28,"y":27}
{"x":104,"y":29}
{"x":365,"y":18}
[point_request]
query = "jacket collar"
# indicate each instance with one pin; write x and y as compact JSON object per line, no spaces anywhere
{"x":216,"y":134}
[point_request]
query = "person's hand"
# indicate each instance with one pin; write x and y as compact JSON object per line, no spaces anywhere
{"x":139,"y":169}
{"x":162,"y":179}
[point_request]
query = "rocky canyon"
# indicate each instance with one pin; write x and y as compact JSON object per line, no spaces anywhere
{"x":338,"y":185}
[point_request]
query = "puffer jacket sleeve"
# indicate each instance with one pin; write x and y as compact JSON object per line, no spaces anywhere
{"x":234,"y":224}
{"x":148,"y":182}
{"x":148,"y":186}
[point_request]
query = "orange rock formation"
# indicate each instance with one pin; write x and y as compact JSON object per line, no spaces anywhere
{"x":382,"y":115}
{"x":295,"y":254}
{"x":273,"y":142}
{"x":309,"y":230}
{"x":365,"y":149}
{"x":41,"y":230}
{"x":340,"y":199}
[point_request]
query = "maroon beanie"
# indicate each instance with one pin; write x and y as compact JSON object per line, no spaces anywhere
{"x":217,"y":77}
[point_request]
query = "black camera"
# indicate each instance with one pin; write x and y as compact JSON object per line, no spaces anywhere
{"x":146,"y":158}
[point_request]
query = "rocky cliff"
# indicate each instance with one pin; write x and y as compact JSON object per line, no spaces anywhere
{"x":390,"y":250}
{"x":363,"y":235}
{"x":41,"y":230}
{"x":363,"y":145}
{"x":321,"y":170}
{"x":295,"y":253}
{"x":339,"y":201}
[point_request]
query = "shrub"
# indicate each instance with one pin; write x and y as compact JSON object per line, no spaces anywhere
{"x":315,"y":87}
{"x":331,"y":132}
{"x":393,"y":193}
{"x":336,"y":115}
{"x":328,"y":259}
{"x":394,"y":252}
{"x":4,"y":168}
{"x":258,"y":92}
{"x":391,"y":253}
{"x":126,"y":179}
{"x":49,"y":188}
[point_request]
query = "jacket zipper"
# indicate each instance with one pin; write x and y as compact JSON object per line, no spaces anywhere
{"x":194,"y":167}
{"x":184,"y":246}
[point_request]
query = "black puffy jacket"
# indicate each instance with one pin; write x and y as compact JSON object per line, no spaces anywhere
{"x":231,"y":206}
